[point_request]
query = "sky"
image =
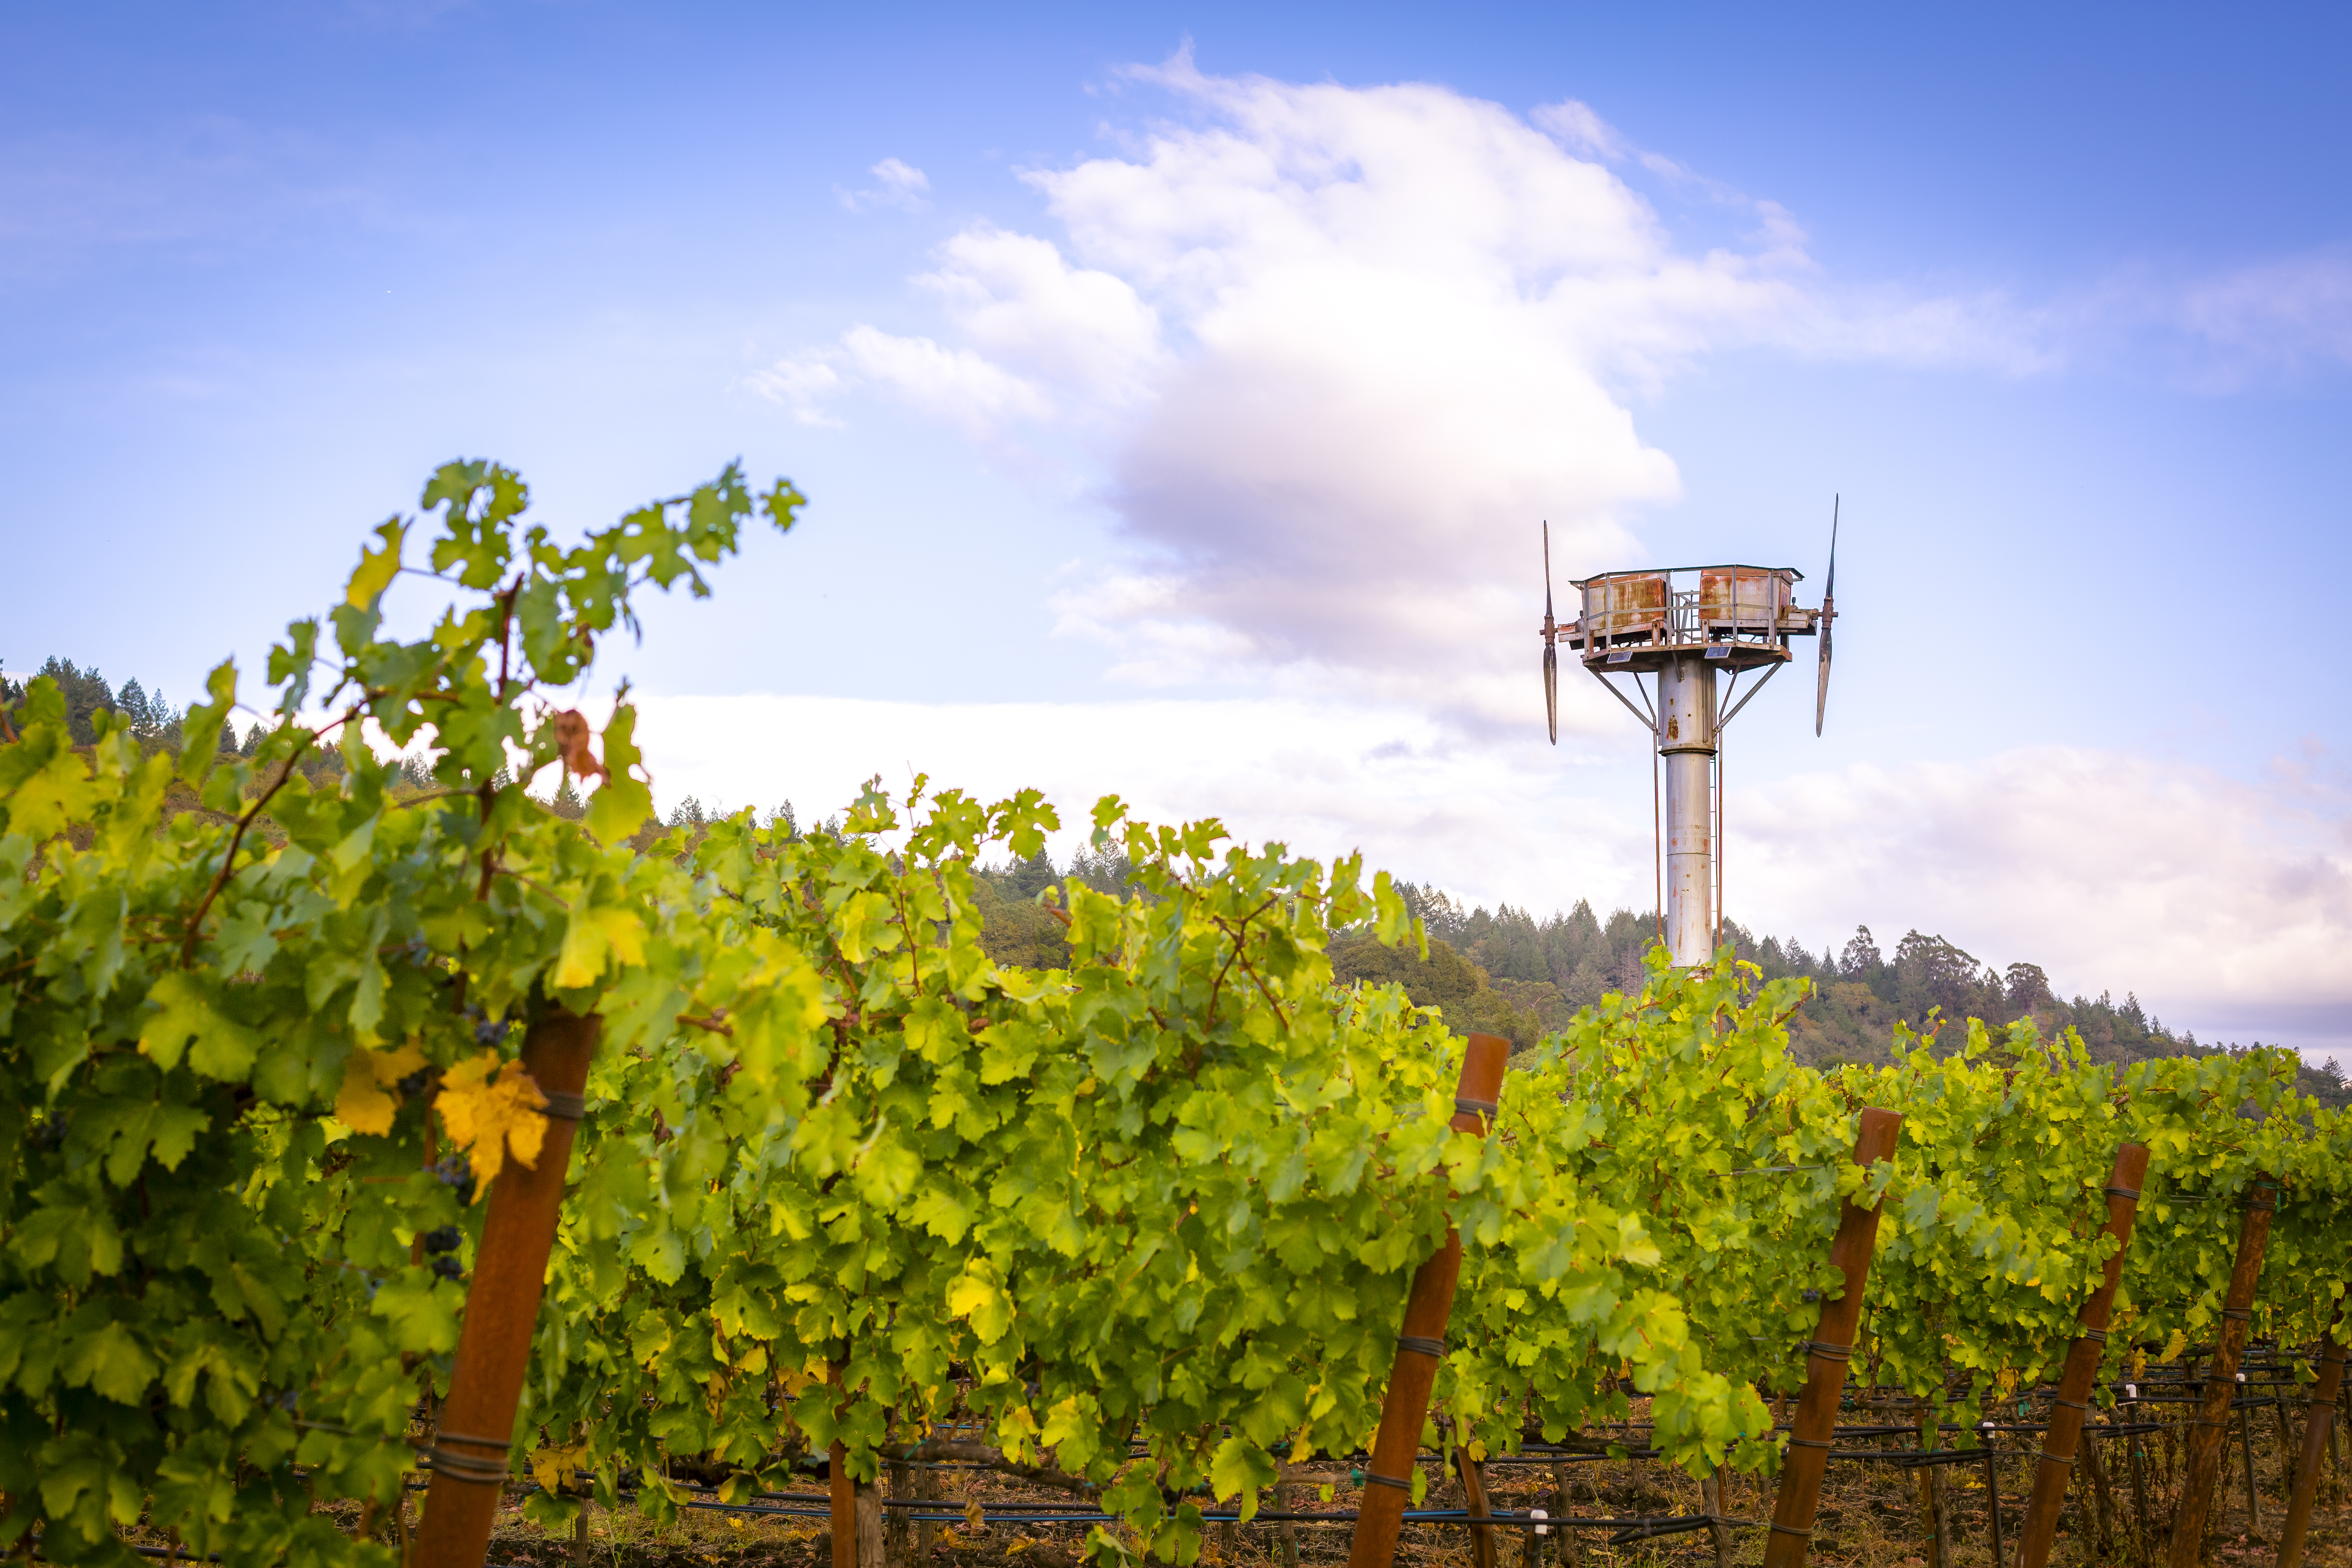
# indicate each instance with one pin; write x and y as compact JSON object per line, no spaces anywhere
{"x":1179,"y":390}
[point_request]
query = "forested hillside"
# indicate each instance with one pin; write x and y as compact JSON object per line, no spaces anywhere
{"x":1544,"y":970}
{"x":1501,"y":970}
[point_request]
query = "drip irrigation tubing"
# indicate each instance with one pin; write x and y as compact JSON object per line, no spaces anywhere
{"x":1648,"y":1524}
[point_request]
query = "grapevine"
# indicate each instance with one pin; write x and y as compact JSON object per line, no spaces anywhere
{"x":1146,"y":1222}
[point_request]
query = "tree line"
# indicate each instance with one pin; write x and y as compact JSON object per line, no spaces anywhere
{"x":1500,"y":971}
{"x":1503,"y":972}
{"x":1545,"y":970}
{"x":154,"y":721}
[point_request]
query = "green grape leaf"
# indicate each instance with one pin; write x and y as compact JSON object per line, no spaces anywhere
{"x":1240,"y":1468}
{"x":377,"y":567}
{"x":201,"y":724}
{"x":622,"y":803}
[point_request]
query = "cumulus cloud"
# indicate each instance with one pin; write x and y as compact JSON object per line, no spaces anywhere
{"x":954,"y":382}
{"x":1014,"y":296}
{"x":1337,"y":352}
{"x":897,"y":185}
{"x":1324,"y":777}
{"x":2209,"y":895}
{"x":802,"y":385}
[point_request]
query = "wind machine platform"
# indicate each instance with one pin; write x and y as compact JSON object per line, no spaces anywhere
{"x":1687,"y":627}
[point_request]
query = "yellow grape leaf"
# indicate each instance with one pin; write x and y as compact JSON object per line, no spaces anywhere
{"x":976,"y":1296}
{"x":589,"y":935}
{"x":551,"y":1464}
{"x":377,"y":567}
{"x":491,"y":1117}
{"x":364,"y":1106}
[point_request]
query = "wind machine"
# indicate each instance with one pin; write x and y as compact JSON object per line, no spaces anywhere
{"x":1697,"y":632}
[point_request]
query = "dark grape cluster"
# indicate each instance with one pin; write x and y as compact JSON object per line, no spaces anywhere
{"x":488,"y":1031}
{"x":441,"y":1244}
{"x":456,"y":1170}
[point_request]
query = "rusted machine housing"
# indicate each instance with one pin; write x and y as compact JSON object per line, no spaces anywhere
{"x":1736,"y":617}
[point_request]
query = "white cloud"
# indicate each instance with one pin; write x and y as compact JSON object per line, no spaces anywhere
{"x":954,"y":384}
{"x":1336,"y":352}
{"x":1322,"y":776}
{"x":2289,"y":314}
{"x":802,"y":385}
{"x":2225,"y":906}
{"x":902,"y":185}
{"x":2222,"y":903}
{"x":1017,"y":299}
{"x":1583,"y":131}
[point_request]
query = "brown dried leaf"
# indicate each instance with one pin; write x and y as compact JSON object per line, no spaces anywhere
{"x":571,"y":744}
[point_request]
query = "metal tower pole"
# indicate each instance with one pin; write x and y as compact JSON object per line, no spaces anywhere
{"x":1686,"y":741}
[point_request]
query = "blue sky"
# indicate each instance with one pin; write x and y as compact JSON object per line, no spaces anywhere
{"x":1179,"y":388}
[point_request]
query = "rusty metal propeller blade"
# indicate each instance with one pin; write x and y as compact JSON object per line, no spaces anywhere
{"x":1551,"y":652}
{"x":1551,"y":691}
{"x":1829,"y":614}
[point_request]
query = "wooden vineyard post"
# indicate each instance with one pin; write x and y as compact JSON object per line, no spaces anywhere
{"x":1815,"y":1422}
{"x":844,"y":1499}
{"x":1388,"y":1476}
{"x":855,"y":1510}
{"x":1474,"y":1496}
{"x":2210,"y":1431}
{"x":2318,"y":1425}
{"x":468,"y":1456}
{"x":2082,"y":1357}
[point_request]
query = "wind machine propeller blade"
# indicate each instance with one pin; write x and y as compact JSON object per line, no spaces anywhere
{"x":1828,"y":616}
{"x":1551,"y":653}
